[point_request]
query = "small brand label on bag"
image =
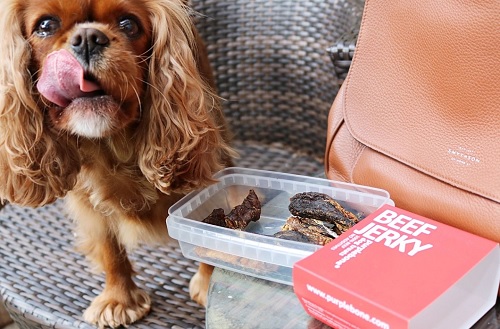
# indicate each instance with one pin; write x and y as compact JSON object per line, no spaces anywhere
{"x":463,"y":156}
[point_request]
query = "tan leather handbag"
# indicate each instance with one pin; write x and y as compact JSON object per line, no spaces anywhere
{"x":419,"y":112}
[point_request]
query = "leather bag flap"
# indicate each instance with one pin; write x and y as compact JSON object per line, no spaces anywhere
{"x":424,"y":88}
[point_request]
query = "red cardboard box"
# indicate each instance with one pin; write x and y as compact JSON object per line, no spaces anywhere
{"x":396,"y":269}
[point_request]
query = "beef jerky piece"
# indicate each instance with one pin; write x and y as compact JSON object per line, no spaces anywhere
{"x":243,"y":214}
{"x":292,"y":236}
{"x":240,"y":262}
{"x":315,"y":230}
{"x":240,"y":216}
{"x":217,"y":217}
{"x":322,"y":207}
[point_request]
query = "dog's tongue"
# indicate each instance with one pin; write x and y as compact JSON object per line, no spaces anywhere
{"x":62,"y":79}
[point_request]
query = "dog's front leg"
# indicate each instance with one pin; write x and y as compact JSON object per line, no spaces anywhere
{"x":121,"y":302}
{"x":198,"y":286}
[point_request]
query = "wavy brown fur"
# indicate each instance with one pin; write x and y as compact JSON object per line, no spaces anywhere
{"x":178,"y":135}
{"x":36,"y":165}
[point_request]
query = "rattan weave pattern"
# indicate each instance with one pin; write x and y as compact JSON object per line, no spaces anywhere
{"x":52,"y":284}
{"x":272,"y":67}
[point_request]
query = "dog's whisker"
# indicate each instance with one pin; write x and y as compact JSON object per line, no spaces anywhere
{"x":139,"y":102}
{"x":160,"y":92}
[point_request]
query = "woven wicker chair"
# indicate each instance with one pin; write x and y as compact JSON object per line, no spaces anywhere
{"x":278,"y":83}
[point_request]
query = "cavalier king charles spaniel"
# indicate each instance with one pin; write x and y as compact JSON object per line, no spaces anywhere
{"x":111,"y":105}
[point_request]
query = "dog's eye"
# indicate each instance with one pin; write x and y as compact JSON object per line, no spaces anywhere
{"x":47,"y":26}
{"x":130,"y":27}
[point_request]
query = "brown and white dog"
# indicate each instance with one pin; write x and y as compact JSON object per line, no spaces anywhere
{"x":111,"y":105}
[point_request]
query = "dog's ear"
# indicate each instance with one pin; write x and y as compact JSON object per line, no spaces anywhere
{"x":180,"y":142}
{"x":36,"y":166}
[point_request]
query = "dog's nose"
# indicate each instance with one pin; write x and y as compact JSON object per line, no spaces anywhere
{"x":88,"y":42}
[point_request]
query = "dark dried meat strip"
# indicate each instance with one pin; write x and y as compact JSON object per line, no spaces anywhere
{"x":322,"y":207}
{"x":315,"y":230}
{"x":217,"y":217}
{"x":248,"y":211}
{"x":292,"y":236}
{"x":238,"y":218}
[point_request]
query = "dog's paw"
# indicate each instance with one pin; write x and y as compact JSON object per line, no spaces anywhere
{"x":198,"y":288}
{"x":109,"y":310}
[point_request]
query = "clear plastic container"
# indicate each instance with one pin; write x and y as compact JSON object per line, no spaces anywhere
{"x":254,"y":251}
